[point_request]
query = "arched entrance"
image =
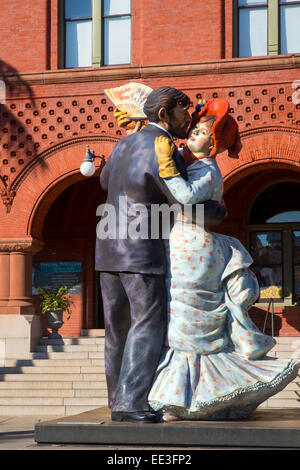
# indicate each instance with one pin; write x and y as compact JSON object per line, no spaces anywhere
{"x":249,"y":198}
{"x":69,"y":233}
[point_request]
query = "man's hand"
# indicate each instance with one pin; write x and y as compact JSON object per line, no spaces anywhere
{"x":124,"y":121}
{"x":164,"y":149}
{"x":214,"y":213}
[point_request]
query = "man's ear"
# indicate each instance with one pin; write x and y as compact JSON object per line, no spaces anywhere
{"x":163,"y":115}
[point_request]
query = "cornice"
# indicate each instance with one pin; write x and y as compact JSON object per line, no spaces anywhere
{"x":268,"y":129}
{"x":20,"y":245}
{"x":98,"y":74}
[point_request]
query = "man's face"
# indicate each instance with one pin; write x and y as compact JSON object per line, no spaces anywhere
{"x":200,"y":139}
{"x":178,"y":121}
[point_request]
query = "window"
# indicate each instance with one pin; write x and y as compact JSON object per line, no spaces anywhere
{"x":252,"y":22}
{"x":267,"y":27}
{"x":78,"y":33}
{"x":289,"y":26}
{"x":117,"y":32}
{"x":274,"y":242}
{"x":96,"y":33}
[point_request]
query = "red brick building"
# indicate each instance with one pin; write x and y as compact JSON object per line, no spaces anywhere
{"x":57,"y":57}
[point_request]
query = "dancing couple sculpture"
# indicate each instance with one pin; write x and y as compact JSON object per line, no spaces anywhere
{"x":179,"y":341}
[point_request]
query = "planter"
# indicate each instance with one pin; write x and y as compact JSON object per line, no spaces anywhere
{"x":54,"y":320}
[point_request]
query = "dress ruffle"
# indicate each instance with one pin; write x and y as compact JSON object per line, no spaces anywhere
{"x":217,"y":386}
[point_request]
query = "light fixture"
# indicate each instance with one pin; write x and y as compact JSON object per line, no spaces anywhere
{"x":87,"y":167}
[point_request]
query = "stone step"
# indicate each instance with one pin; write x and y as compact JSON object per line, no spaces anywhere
{"x":86,"y":384}
{"x":53,"y":362}
{"x":69,"y":347}
{"x":90,"y":392}
{"x":56,"y":392}
{"x":36,"y":384}
{"x":71,"y":341}
{"x":283,"y":403}
{"x":284,"y":354}
{"x":47,"y":385}
{"x":36,"y":392}
{"x":53,"y":370}
{"x":53,"y":401}
{"x":286,"y":339}
{"x":93,"y":333}
{"x":52,"y":377}
{"x":21,"y":410}
{"x":291,"y":347}
{"x":294,"y":394}
{"x":47,"y":410}
{"x":295,"y":385}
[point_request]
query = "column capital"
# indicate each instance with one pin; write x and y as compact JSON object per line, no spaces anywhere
{"x":21,"y":245}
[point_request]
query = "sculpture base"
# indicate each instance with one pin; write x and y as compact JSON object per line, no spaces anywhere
{"x":267,"y":428}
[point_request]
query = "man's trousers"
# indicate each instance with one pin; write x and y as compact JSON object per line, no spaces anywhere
{"x":135,"y":317}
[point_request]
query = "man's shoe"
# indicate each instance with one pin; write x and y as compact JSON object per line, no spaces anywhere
{"x":134,"y":416}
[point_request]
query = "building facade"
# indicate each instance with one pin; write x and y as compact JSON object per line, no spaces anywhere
{"x":58,"y":57}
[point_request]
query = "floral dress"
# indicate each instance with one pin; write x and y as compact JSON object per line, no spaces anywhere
{"x":214,"y":365}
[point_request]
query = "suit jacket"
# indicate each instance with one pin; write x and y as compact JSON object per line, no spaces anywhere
{"x":132,"y":172}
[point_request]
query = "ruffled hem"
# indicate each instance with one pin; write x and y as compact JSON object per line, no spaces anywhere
{"x":236,"y":405}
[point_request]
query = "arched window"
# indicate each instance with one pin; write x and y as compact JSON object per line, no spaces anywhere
{"x":274,"y":242}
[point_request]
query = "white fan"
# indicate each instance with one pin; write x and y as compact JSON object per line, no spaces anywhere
{"x":130,"y":98}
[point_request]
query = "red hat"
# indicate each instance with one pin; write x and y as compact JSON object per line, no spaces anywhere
{"x":225,"y":129}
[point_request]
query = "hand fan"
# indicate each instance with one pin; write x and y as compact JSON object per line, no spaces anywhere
{"x":130,"y":98}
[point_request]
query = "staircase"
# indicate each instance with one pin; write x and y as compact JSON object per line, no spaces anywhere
{"x":62,"y":377}
{"x":66,"y":377}
{"x":287,"y":347}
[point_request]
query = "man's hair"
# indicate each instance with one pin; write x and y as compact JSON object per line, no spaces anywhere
{"x":164,"y":97}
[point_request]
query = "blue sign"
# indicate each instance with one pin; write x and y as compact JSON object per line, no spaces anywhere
{"x":54,"y":274}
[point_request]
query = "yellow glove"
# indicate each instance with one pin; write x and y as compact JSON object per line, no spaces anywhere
{"x":123,"y":120}
{"x":164,"y":149}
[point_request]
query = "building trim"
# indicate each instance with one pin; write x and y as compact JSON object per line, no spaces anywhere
{"x":128,"y":72}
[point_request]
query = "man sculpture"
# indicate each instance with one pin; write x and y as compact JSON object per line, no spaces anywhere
{"x":132,"y":270}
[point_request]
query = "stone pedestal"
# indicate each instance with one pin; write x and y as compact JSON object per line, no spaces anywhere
{"x":20,"y":327}
{"x":19,"y":335}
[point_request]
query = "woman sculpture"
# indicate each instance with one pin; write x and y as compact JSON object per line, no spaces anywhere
{"x":214,"y":366}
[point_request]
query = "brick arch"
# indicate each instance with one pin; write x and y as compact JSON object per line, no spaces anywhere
{"x":46,"y":179}
{"x":278,"y":146}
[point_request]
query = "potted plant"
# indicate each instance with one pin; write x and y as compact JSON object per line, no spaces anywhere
{"x":54,"y":304}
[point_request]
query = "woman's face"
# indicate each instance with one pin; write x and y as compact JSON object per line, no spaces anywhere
{"x":200,"y":139}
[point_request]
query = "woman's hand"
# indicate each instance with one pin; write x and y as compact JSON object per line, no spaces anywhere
{"x":164,"y":149}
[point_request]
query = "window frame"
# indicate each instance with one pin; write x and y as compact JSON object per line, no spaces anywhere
{"x":64,"y":30}
{"x":281,"y":4}
{"x":97,"y":7}
{"x":287,"y":230}
{"x":236,"y":27}
{"x":273,"y":26}
{"x":103,"y":17}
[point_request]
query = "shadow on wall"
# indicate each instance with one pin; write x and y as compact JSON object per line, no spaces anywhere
{"x":17,"y":144}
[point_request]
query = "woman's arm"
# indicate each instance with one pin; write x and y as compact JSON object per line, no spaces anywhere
{"x":196,"y":189}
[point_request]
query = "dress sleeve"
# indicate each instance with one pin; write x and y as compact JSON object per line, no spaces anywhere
{"x":198,"y":187}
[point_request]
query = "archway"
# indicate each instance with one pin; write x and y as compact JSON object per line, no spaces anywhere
{"x":69,"y":233}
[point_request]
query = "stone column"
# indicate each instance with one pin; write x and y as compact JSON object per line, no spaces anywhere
{"x":20,"y":326}
{"x":4,"y":278}
{"x":15,"y":273}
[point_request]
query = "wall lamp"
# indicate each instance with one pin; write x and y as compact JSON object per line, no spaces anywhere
{"x":87,"y":167}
